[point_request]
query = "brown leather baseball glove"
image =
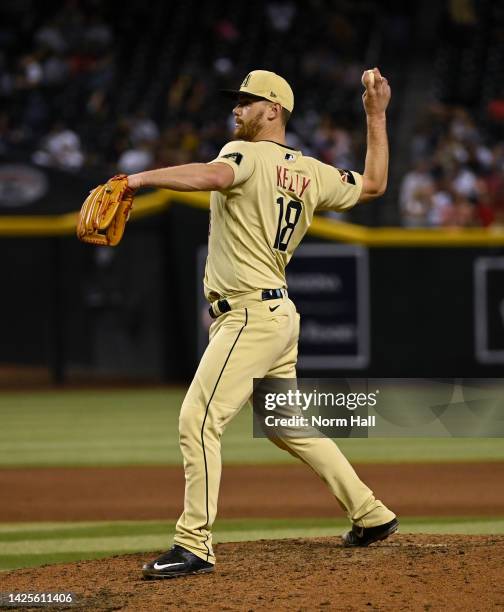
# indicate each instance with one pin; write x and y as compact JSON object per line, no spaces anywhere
{"x":103,"y":215}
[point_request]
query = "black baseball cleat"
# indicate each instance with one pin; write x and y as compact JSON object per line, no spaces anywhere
{"x":364,"y":536}
{"x":176,"y":562}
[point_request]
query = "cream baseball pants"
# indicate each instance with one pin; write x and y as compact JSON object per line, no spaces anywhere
{"x":253,"y":340}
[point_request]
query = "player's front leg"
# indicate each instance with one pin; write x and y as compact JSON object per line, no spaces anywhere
{"x":244,"y":343}
{"x":214,"y":397}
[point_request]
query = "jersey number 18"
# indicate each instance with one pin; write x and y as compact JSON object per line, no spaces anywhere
{"x":287,"y":220}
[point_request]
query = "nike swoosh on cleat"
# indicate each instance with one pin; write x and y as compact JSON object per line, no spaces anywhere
{"x":160,"y":567}
{"x":273,"y":309}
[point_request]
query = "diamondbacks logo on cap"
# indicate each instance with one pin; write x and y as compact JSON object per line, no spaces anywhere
{"x":236,"y":157}
{"x":346,"y":176}
{"x":246,"y":80}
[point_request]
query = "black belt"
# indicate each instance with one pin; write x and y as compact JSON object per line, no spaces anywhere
{"x":267,"y":294}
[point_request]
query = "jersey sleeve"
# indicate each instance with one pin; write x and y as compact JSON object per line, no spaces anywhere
{"x":239,"y":156}
{"x":339,"y":189}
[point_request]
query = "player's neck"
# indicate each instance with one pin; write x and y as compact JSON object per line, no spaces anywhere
{"x":275,"y":135}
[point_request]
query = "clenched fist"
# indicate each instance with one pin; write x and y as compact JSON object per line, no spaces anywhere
{"x":377,"y":94}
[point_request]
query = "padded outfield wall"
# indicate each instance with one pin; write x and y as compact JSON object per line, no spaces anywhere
{"x":135,"y":311}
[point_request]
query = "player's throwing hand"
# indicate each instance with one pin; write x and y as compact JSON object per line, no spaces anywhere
{"x":376,"y":97}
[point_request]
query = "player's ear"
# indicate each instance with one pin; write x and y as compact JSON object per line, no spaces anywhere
{"x":274,"y":111}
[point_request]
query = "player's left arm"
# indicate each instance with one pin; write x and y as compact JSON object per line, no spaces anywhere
{"x":188,"y":177}
{"x":375,"y":99}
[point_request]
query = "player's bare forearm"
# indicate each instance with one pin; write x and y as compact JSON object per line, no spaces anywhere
{"x":375,"y":99}
{"x":189,"y":177}
{"x":377,"y":157}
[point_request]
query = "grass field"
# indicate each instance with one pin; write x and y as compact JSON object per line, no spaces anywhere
{"x":33,"y":544}
{"x":139,"y":427}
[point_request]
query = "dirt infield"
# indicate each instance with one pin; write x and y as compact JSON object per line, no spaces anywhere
{"x":406,"y":572}
{"x":54,"y":494}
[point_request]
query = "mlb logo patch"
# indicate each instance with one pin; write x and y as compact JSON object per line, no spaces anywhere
{"x":289,"y":157}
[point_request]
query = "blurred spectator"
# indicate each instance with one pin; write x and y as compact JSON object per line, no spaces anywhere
{"x":460,"y":214}
{"x":6,"y":78}
{"x":55,"y":70}
{"x":491,"y":189}
{"x":29,"y":72}
{"x":495,"y":112}
{"x":333,"y":144}
{"x":441,"y":203}
{"x":143,"y":129}
{"x":100,"y":71}
{"x":458,"y":180}
{"x":418,"y":207}
{"x":281,"y":15}
{"x":226,"y":30}
{"x":51,"y":37}
{"x":136,"y":159}
{"x":97,"y":35}
{"x":35,"y":115}
{"x":496,"y":108}
{"x":60,"y":148}
{"x":416,"y":190}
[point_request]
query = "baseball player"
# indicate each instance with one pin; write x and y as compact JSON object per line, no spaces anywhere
{"x":264,"y":195}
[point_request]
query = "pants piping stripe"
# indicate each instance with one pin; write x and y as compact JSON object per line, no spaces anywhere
{"x":205,"y":417}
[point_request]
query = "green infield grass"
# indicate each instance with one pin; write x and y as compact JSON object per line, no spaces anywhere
{"x":139,"y":427}
{"x":34,"y":544}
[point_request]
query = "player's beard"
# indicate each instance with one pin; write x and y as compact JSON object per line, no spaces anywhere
{"x":248,"y":131}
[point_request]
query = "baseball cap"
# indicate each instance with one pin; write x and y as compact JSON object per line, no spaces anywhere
{"x":265,"y":85}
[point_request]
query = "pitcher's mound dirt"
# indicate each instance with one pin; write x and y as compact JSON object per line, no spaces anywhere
{"x":406,"y":572}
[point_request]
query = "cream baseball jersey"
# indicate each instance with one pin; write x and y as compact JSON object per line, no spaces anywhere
{"x":256,"y":224}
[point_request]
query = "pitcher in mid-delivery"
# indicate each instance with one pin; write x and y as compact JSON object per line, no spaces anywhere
{"x":264,"y":195}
